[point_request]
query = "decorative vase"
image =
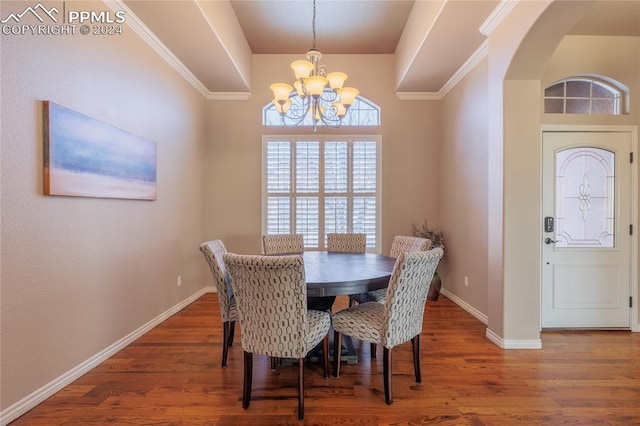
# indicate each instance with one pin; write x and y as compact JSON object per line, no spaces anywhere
{"x":434,"y":288}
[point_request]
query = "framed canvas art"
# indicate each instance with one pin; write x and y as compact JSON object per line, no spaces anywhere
{"x":84,"y":157}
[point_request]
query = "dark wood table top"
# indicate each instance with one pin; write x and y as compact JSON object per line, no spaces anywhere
{"x":333,"y":274}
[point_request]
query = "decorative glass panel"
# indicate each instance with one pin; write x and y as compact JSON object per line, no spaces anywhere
{"x":585,"y":191}
{"x":555,"y":106}
{"x":583,"y":95}
{"x":578,"y":106}
{"x":603,"y":106}
{"x":578,"y":89}
{"x":555,"y":91}
{"x":363,"y":112}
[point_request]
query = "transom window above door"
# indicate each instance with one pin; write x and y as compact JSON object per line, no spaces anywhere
{"x":315,"y":185}
{"x":585,"y":95}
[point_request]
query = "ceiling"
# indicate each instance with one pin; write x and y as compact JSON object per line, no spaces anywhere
{"x":214,"y":40}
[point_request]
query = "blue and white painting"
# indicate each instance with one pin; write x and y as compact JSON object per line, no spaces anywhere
{"x":84,"y":157}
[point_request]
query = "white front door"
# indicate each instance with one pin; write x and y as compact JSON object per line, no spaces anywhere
{"x":586,"y":218}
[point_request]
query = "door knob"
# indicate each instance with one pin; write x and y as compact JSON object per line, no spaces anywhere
{"x":549,"y":241}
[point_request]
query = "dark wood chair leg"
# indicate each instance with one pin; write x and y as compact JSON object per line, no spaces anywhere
{"x":337,"y":349}
{"x":248,"y":378}
{"x":386,"y":371}
{"x":232,"y":330}
{"x":325,"y":355}
{"x":350,"y":302}
{"x":225,"y":343}
{"x":416,"y":358}
{"x":274,"y":362}
{"x":374,"y":349}
{"x":301,"y":389}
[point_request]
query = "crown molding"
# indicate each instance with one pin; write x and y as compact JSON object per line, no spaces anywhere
{"x":150,"y":38}
{"x":228,"y":96}
{"x":499,"y":13}
{"x":473,"y":60}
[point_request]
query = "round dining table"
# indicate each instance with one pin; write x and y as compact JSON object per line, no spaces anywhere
{"x":330,"y":274}
{"x":333,"y":274}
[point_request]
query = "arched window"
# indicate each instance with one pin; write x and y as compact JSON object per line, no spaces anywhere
{"x":363,"y":112}
{"x":585,"y":95}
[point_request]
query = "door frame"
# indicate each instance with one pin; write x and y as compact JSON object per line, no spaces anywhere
{"x":635,"y":240}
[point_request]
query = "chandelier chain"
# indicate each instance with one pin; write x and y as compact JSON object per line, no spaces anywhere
{"x":314,"y":24}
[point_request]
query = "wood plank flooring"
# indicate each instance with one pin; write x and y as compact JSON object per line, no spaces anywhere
{"x":172,"y":376}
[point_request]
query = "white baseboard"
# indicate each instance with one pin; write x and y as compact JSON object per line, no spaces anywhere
{"x":497,"y":340}
{"x":27,"y":403}
{"x":464,"y":305}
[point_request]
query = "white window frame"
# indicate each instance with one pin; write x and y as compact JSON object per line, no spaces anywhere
{"x":321,"y":194}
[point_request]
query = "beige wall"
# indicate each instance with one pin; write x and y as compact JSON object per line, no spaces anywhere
{"x":410,"y":151}
{"x":464,"y":171}
{"x":79,"y":274}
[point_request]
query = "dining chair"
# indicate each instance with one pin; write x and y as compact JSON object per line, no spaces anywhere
{"x":396,"y":321}
{"x":213,"y":252}
{"x":401,"y":244}
{"x":271,"y":294}
{"x":282,"y":244}
{"x":347,"y":243}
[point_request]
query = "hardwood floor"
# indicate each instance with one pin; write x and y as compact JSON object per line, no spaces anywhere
{"x":172,"y":376}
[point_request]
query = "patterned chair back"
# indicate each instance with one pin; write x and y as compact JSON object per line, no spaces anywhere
{"x":403,"y":244}
{"x":347,"y":243}
{"x":213,"y":252}
{"x":282,"y":244}
{"x":407,"y":295}
{"x":271,"y":295}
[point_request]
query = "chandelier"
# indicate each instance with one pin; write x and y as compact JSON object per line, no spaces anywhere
{"x":311,"y":99}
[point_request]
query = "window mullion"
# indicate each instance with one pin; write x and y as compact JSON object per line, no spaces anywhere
{"x":294,"y":192}
{"x":321,"y":196}
{"x":349,"y":193}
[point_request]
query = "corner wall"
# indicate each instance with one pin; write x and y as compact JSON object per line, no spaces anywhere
{"x":465,"y":189}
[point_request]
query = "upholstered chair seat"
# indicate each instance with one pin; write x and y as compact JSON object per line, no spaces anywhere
{"x":396,"y":321}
